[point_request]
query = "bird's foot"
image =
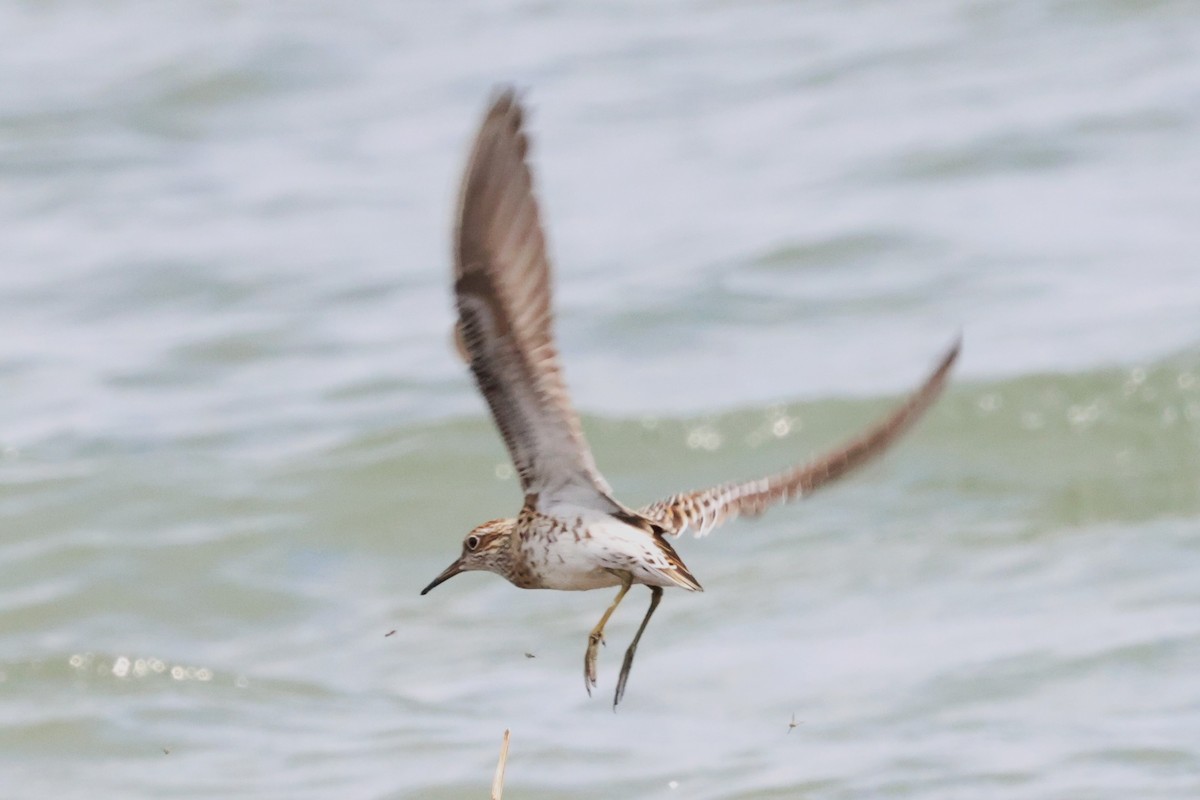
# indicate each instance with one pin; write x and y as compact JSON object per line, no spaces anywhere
{"x":625,"y":667}
{"x":589,"y":660}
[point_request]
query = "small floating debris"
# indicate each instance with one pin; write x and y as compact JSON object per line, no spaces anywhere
{"x":498,"y":781}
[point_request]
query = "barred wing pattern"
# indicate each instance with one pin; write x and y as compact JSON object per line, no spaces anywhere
{"x":704,"y":510}
{"x":505,"y":325}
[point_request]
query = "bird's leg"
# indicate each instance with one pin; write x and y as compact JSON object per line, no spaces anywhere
{"x":596,"y":637}
{"x":655,"y":596}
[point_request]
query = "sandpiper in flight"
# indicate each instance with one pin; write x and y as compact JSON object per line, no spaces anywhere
{"x":570,"y":533}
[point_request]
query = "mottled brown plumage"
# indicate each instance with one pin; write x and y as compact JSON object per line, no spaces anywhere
{"x":571,"y":534}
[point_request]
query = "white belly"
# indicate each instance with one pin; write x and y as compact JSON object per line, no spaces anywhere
{"x":583,"y":549}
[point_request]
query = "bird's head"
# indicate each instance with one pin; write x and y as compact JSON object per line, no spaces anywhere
{"x":486,"y":547}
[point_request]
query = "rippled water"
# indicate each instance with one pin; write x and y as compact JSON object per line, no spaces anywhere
{"x":234,"y":442}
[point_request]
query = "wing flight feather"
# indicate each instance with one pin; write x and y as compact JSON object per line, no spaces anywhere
{"x":702,"y":511}
{"x":502,"y":288}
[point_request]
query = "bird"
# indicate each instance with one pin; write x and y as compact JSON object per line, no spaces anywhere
{"x":571,"y":534}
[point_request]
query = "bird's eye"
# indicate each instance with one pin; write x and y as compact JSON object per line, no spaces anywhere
{"x":472,"y":542}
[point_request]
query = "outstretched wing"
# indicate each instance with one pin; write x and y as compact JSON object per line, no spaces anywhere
{"x":704,"y":510}
{"x":502,"y":290}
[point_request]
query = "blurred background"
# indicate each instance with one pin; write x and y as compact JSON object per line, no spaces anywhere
{"x":235,"y":441}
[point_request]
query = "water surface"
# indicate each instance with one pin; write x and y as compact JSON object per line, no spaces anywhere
{"x":235,"y":443}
